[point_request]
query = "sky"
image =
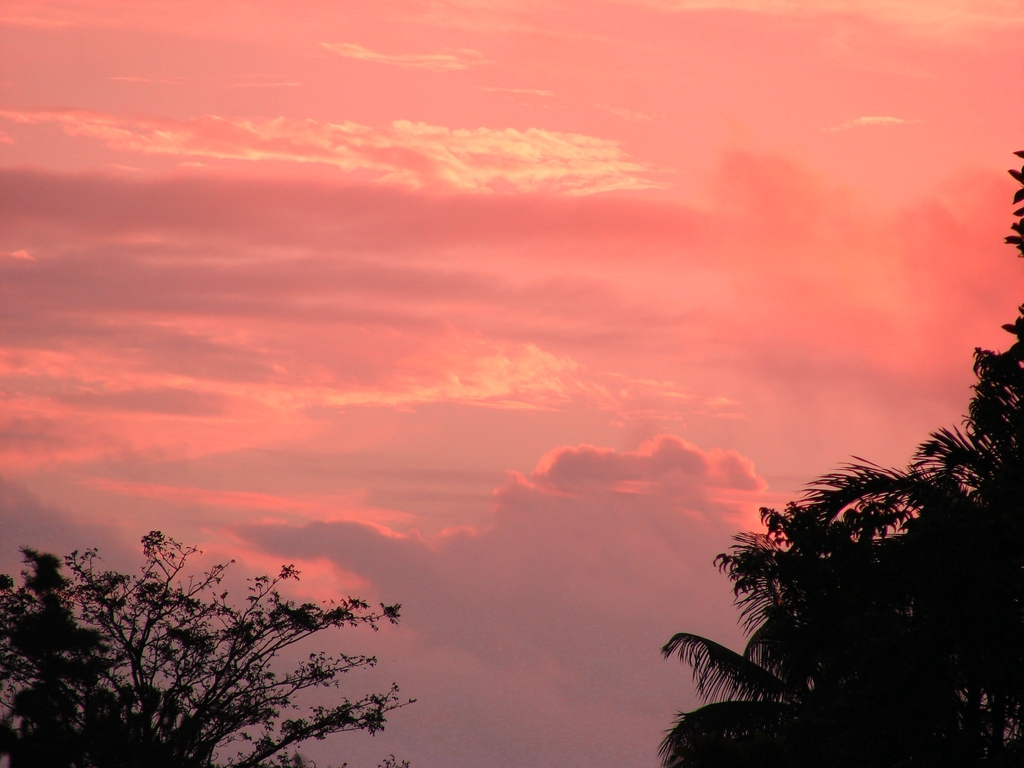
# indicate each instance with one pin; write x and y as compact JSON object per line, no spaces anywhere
{"x":511,"y":312}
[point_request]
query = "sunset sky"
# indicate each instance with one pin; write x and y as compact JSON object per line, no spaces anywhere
{"x":511,"y":312}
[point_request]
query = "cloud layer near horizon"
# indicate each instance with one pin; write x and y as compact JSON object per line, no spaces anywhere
{"x":517,"y":605}
{"x":560,"y":601}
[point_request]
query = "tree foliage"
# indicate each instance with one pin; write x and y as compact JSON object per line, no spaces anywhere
{"x":101,"y":669}
{"x":884,"y":610}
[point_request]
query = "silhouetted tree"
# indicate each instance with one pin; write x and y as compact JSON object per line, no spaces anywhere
{"x":110,"y":670}
{"x":885,"y":611}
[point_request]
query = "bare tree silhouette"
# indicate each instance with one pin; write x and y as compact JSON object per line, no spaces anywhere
{"x":161,"y":670}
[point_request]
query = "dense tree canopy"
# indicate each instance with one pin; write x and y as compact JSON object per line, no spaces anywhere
{"x":159,"y":670}
{"x":884,"y":611}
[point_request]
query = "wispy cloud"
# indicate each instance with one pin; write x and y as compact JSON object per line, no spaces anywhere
{"x":462,"y":58}
{"x":335,"y":507}
{"x":271,"y":84}
{"x":32,"y":21}
{"x":867,"y":122}
{"x":521,"y":91}
{"x":147,"y":80}
{"x":415,"y":154}
{"x":526,"y":378}
{"x":933,"y":13}
{"x":628,"y":114}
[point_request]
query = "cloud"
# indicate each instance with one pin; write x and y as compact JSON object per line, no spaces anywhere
{"x":936,"y":14}
{"x":252,"y":506}
{"x":276,"y":84}
{"x":176,"y":401}
{"x":628,"y":114}
{"x":227,"y":397}
{"x":148,"y":80}
{"x":865,"y":122}
{"x":526,"y":378}
{"x":462,"y":58}
{"x":265,"y":19}
{"x":523,"y":91}
{"x":560,"y":601}
{"x":201,"y":314}
{"x":836,"y":324}
{"x":414,"y":154}
{"x":592,"y":561}
{"x":33,"y":21}
{"x":664,"y":466}
{"x":27,"y":522}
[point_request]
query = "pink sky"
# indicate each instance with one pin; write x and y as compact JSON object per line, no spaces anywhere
{"x":512,"y":312}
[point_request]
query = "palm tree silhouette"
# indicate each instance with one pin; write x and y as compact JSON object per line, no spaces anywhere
{"x":884,"y":610}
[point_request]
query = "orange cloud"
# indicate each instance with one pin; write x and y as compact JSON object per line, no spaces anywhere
{"x":414,"y":154}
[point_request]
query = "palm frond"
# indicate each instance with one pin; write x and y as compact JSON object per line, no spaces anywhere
{"x":955,"y":459}
{"x":727,"y":719}
{"x":873,"y":502}
{"x":721,"y":673}
{"x":751,"y":565}
{"x":768,"y":646}
{"x":833,"y":493}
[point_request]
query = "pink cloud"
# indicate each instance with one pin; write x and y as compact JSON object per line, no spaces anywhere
{"x":415,"y":154}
